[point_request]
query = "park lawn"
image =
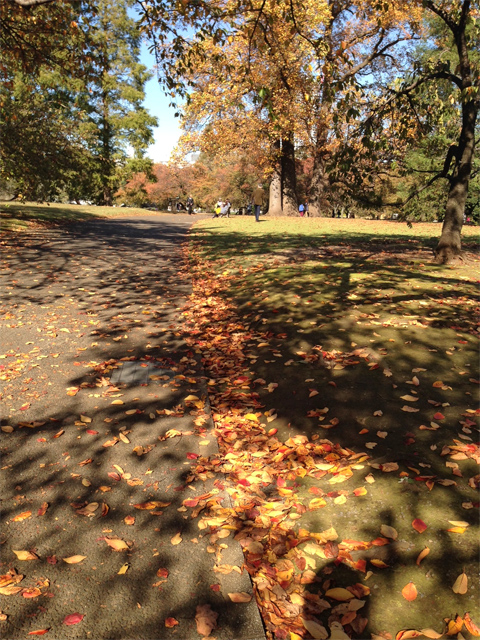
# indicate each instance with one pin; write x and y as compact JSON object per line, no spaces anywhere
{"x":17,"y":215}
{"x":343,"y":377}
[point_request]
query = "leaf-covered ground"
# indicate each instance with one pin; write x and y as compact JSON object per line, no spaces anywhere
{"x":344,"y":379}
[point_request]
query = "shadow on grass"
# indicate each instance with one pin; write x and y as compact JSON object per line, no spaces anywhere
{"x":110,"y":279}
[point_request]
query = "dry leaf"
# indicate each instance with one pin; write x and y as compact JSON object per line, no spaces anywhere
{"x":123,"y":569}
{"x":461,"y":584}
{"x":73,"y":618}
{"x":388,"y":532}
{"x":74,"y":559}
{"x":315,"y":629}
{"x":339,"y":593}
{"x":419,"y":525}
{"x":177,"y":539}
{"x":38,"y":632}
{"x":171,"y":622}
{"x":422,"y":555}
{"x":25,"y":555}
{"x":240,"y":596}
{"x":117,"y":544}
{"x":206,"y":619}
{"x":431,"y":633}
{"x":409,"y":592}
{"x":22,"y":516}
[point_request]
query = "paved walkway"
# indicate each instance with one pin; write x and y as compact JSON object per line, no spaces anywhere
{"x":104,"y":412}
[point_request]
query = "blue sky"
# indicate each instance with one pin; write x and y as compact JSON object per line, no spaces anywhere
{"x":168,"y":130}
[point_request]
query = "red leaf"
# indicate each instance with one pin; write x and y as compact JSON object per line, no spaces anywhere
{"x":419,"y":525}
{"x":92,"y":432}
{"x":38,"y":632}
{"x":73,"y":618}
{"x":439,"y":416}
{"x":192,"y":456}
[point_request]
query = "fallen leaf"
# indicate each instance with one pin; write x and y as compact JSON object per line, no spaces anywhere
{"x":339,"y":593}
{"x":177,"y":539}
{"x":423,"y":554}
{"x":25,"y":555}
{"x":123,"y":569}
{"x":171,"y":622}
{"x":117,"y":544}
{"x":419,"y":525}
{"x":42,"y":510}
{"x":240,"y":596}
{"x":38,"y":632}
{"x":206,"y":619}
{"x":73,"y":618}
{"x":431,"y":633}
{"x":409,"y":592}
{"x":315,"y":629}
{"x":31,"y":593}
{"x":460,"y":585}
{"x":388,"y":532}
{"x":471,"y":626}
{"x":129,"y":520}
{"x":22,"y":516}
{"x":74,"y":559}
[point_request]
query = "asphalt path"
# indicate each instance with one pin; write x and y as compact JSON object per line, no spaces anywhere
{"x":104,"y":407}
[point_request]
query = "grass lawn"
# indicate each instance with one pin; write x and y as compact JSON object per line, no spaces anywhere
{"x":16,"y":215}
{"x":344,"y":379}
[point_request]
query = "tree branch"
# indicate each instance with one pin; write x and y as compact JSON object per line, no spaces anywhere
{"x":29,"y":4}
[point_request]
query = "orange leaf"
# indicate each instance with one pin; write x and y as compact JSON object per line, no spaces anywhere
{"x":409,"y":592}
{"x":73,"y":618}
{"x":117,"y":544}
{"x":471,"y":626}
{"x":129,"y":520}
{"x":31,"y":593}
{"x":171,"y":622}
{"x":43,"y":509}
{"x":38,"y":632}
{"x":422,"y":555}
{"x":361,"y":491}
{"x":439,"y":416}
{"x":241,"y":596}
{"x":419,"y":525}
{"x":22,"y":516}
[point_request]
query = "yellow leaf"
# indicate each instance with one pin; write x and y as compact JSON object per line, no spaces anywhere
{"x":117,"y":401}
{"x":461,"y":584}
{"x":85,"y":419}
{"x":240,"y":596}
{"x":123,"y":438}
{"x":339,"y":593}
{"x":11,"y":590}
{"x":74,"y":559}
{"x":123,"y":569}
{"x":22,"y":516}
{"x":177,"y":539}
{"x":25,"y":555}
{"x":431,"y":633}
{"x":117,"y":544}
{"x":316,"y":503}
{"x":251,"y":416}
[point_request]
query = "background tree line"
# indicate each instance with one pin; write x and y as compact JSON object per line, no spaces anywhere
{"x":356,"y":106}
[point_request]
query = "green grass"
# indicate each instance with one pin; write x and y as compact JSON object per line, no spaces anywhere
{"x":356,"y":310}
{"x":16,"y":215}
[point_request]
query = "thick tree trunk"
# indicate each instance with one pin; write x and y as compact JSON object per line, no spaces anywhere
{"x":318,"y":187}
{"x":450,"y":243}
{"x":275,"y":198}
{"x":289,"y":179}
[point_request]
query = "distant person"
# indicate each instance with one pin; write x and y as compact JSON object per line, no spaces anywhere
{"x":258,"y":196}
{"x":301,"y":210}
{"x":307,"y":215}
{"x":189,"y":205}
{"x":217,"y":209}
{"x":225,"y":210}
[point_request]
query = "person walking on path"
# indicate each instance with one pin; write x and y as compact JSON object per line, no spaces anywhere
{"x":301,"y":210}
{"x":258,"y":195}
{"x":305,"y":209}
{"x":189,"y":205}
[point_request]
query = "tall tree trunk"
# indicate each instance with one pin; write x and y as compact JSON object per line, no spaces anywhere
{"x":318,"y":186}
{"x":275,"y":197}
{"x":289,"y":179}
{"x":450,"y":243}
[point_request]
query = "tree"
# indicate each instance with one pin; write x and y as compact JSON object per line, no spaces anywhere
{"x":74,"y":68}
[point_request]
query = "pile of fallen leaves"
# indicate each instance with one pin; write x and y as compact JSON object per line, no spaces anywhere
{"x":260,"y":474}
